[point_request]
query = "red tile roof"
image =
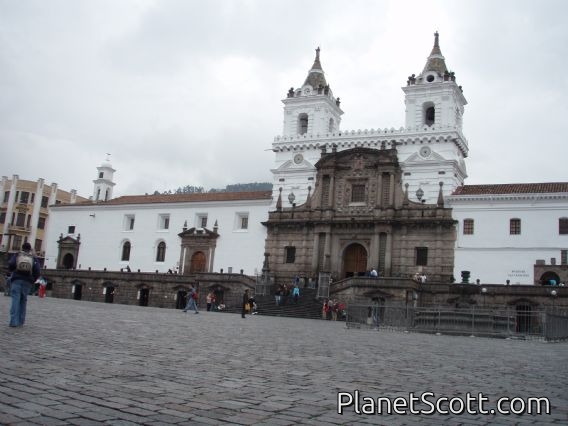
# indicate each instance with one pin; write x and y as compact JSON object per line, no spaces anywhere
{"x":184,"y":198}
{"x":512,"y":188}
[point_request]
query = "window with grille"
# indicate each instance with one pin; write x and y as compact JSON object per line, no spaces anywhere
{"x":421,"y":256}
{"x":564,"y":257}
{"x":358,"y":193}
{"x":515,"y":226}
{"x":290,"y":254}
{"x":468,"y":226}
{"x":41,"y":223}
{"x":563,"y":225}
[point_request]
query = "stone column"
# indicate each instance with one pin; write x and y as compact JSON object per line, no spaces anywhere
{"x":388,"y":255}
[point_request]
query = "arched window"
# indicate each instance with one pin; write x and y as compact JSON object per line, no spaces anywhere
{"x":161,"y":252}
{"x":98,"y":194}
{"x":429,"y":114}
{"x":331,"y":123}
{"x":106,"y":195}
{"x":303,"y":123}
{"x":563,"y":225}
{"x":125,"y":251}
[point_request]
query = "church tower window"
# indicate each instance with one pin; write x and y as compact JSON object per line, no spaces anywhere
{"x":429,"y":114}
{"x":303,"y":123}
{"x":331,"y":123}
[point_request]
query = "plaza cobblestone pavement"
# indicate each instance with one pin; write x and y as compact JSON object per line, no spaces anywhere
{"x":85,"y":363}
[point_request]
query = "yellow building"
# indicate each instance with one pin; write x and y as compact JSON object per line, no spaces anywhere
{"x":24,"y":211}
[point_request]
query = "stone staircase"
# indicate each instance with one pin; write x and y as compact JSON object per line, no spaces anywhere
{"x":307,"y":307}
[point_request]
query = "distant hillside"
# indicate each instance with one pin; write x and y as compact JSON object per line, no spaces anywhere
{"x":238,"y":187}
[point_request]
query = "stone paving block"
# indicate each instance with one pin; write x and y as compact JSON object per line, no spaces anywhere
{"x":115,"y":364}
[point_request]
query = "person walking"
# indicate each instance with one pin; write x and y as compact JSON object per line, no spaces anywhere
{"x":25,"y":270}
{"x":245,"y":301}
{"x":209,"y":299}
{"x":191,"y":301}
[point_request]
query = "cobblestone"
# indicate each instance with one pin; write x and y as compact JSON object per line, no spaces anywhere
{"x":86,"y":363}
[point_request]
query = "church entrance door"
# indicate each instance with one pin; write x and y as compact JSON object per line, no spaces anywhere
{"x":144,"y":296}
{"x":197,"y":262}
{"x":354,"y":260}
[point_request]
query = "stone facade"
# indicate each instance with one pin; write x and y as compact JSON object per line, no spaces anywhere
{"x":359,"y":218}
{"x":146,"y":289}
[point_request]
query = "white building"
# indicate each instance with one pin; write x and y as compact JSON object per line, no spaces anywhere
{"x":503,"y":229}
{"x":142,"y":232}
{"x":432,"y":152}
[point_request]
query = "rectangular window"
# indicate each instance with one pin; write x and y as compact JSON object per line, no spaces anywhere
{"x":6,"y":196}
{"x":129,"y":222}
{"x":201,"y":221}
{"x":421,"y":256}
{"x":21,"y":219}
{"x":17,"y":242}
{"x":515,"y":226}
{"x":29,"y":221}
{"x":468,"y":226}
{"x":41,"y":223}
{"x":44,"y":202}
{"x":33,"y":198}
{"x":563,"y":226}
{"x":164,"y":222}
{"x":358,"y":193}
{"x":37,"y":245}
{"x":3,"y":217}
{"x":71,"y":229}
{"x":242,"y":221}
{"x":564,"y":257}
{"x":290,"y":254}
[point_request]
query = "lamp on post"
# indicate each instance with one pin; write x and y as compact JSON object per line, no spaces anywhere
{"x":484,"y":292}
{"x":553,"y":294}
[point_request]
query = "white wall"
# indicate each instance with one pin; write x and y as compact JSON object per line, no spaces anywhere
{"x":102,"y":236}
{"x":492,"y":254}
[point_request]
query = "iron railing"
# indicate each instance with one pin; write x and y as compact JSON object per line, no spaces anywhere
{"x":506,"y":322}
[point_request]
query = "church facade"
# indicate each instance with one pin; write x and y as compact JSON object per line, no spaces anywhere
{"x":343,"y":202}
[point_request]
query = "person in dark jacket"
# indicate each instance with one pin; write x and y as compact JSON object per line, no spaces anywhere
{"x":21,"y":284}
{"x":245,"y":301}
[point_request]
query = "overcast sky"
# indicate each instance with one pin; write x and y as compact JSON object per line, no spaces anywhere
{"x":189,"y":92}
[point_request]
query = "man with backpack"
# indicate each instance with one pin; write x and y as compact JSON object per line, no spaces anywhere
{"x":25,"y":270}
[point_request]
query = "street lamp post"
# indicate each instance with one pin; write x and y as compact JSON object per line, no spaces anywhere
{"x":553,"y":293}
{"x":484,"y":292}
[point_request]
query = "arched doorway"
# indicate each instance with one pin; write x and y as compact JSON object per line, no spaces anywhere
{"x":77,"y":291}
{"x":144,"y":296}
{"x":354,"y":260}
{"x":68,"y":261}
{"x":109,"y":294}
{"x":550,"y":278}
{"x":197,"y":262}
{"x":181,"y":299}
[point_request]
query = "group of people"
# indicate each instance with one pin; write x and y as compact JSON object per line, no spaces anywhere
{"x":248,"y":303}
{"x":332,"y":309}
{"x":283,"y":293}
{"x":420,"y":278}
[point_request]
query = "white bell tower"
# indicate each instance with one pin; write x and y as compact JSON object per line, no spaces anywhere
{"x":103,"y":183}
{"x":312,"y":109}
{"x":433,"y":99}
